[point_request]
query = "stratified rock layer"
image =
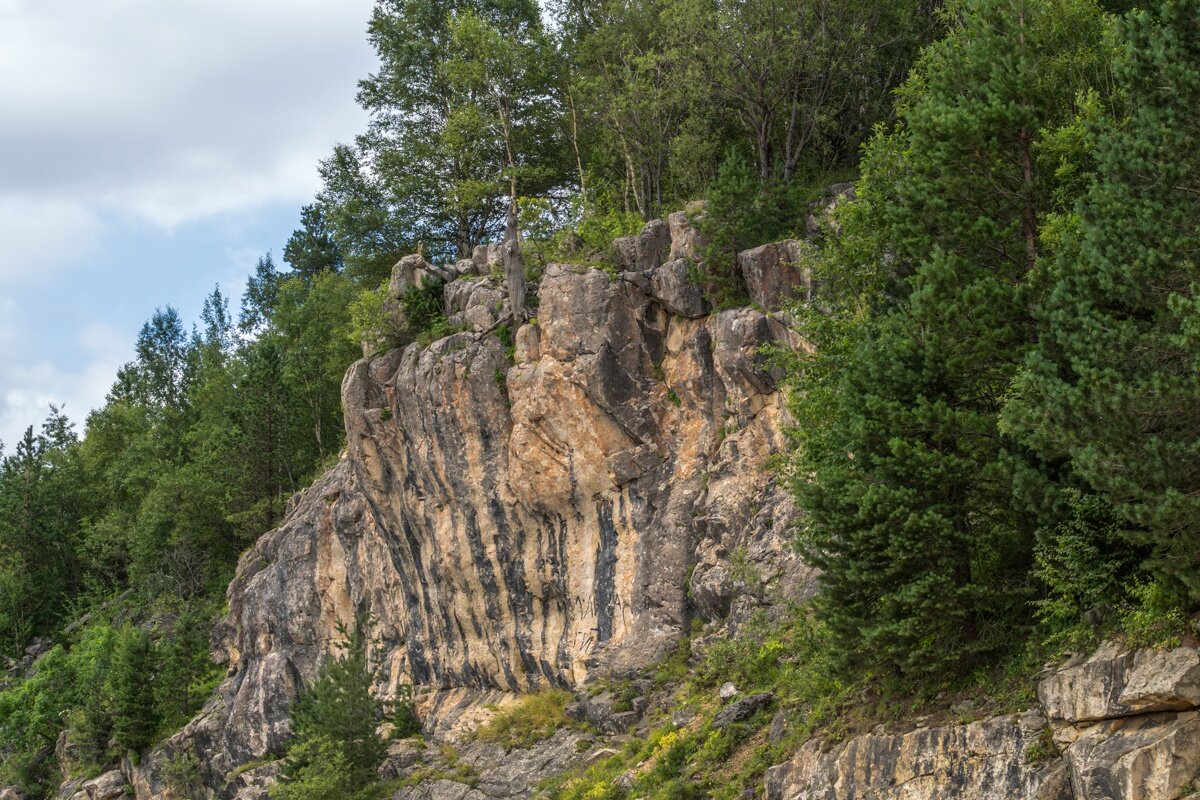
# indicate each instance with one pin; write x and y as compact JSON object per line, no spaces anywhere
{"x":986,"y":760}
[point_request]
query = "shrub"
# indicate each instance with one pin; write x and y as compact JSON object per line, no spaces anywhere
{"x":529,"y":721}
{"x":380,"y":325}
{"x":1084,"y":565}
{"x":599,"y":230}
{"x":322,"y":773}
{"x":740,"y":213}
{"x":1152,"y":617}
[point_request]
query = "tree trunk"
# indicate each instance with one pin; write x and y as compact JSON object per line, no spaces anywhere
{"x":514,"y":266}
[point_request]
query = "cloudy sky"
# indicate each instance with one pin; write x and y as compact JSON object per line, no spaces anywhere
{"x":149,"y":151}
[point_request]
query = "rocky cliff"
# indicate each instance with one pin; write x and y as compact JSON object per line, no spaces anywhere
{"x":551,"y":505}
{"x":524,"y":513}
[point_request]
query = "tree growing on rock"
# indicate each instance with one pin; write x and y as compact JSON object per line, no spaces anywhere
{"x":336,"y":745}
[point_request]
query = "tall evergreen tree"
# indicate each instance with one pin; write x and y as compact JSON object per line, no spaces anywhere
{"x":1114,"y":384}
{"x":131,"y":688}
{"x":920,"y":512}
{"x":335,"y":720}
{"x":312,"y":249}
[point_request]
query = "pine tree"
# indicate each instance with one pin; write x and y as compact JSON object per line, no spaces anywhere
{"x":338,"y":709}
{"x":1114,"y":383}
{"x":131,"y":687}
{"x":919,"y":511}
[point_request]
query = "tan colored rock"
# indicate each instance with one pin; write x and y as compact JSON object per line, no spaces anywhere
{"x":775,"y":273}
{"x":1147,"y":757}
{"x":474,"y":303}
{"x":109,"y":786}
{"x":511,"y":525}
{"x":488,"y":258}
{"x":985,"y":760}
{"x":686,"y":241}
{"x":1113,"y":682}
{"x":672,"y":285}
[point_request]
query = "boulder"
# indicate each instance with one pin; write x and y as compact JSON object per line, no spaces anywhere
{"x":647,"y":249}
{"x":465,"y":268}
{"x":488,"y":258}
{"x":109,"y":786}
{"x":671,"y":285}
{"x":775,"y":273}
{"x":742,"y":710}
{"x":474,"y":303}
{"x":1114,"y":682}
{"x":414,"y":270}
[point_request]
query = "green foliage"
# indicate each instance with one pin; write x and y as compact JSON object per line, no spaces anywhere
{"x":381,"y":323}
{"x":528,"y":721}
{"x":424,"y":316}
{"x":1083,"y":564}
{"x":42,"y":501}
{"x":130,"y":685}
{"x":741,"y":212}
{"x":405,"y":722}
{"x":598,"y":230}
{"x":184,"y":676}
{"x":921,"y":513}
{"x":312,"y":249}
{"x":334,"y":725}
{"x":181,"y":774}
{"x":1112,"y":386}
{"x":33,"y":710}
{"x":372,"y":323}
{"x":322,"y":772}
{"x":1152,"y":617}
{"x":460,"y":105}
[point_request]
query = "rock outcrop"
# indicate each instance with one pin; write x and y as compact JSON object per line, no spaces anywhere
{"x":1118,"y":725}
{"x":517,"y":518}
{"x":545,"y":506}
{"x":986,"y":760}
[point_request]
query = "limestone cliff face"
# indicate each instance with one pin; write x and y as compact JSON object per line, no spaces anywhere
{"x":518,"y":516}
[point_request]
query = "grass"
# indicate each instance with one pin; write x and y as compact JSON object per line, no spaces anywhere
{"x":532,"y":719}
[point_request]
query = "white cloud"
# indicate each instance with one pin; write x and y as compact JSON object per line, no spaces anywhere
{"x":170,"y":112}
{"x":122,"y":114}
{"x":30,"y":384}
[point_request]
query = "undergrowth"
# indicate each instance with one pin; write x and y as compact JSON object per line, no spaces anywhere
{"x":532,"y":719}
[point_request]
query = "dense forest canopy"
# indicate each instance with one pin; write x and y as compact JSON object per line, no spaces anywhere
{"x":996,"y":443}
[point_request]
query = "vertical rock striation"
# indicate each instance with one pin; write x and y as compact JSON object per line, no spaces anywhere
{"x":514,"y":516}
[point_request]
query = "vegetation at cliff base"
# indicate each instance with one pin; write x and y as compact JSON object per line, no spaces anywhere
{"x":336,"y":746}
